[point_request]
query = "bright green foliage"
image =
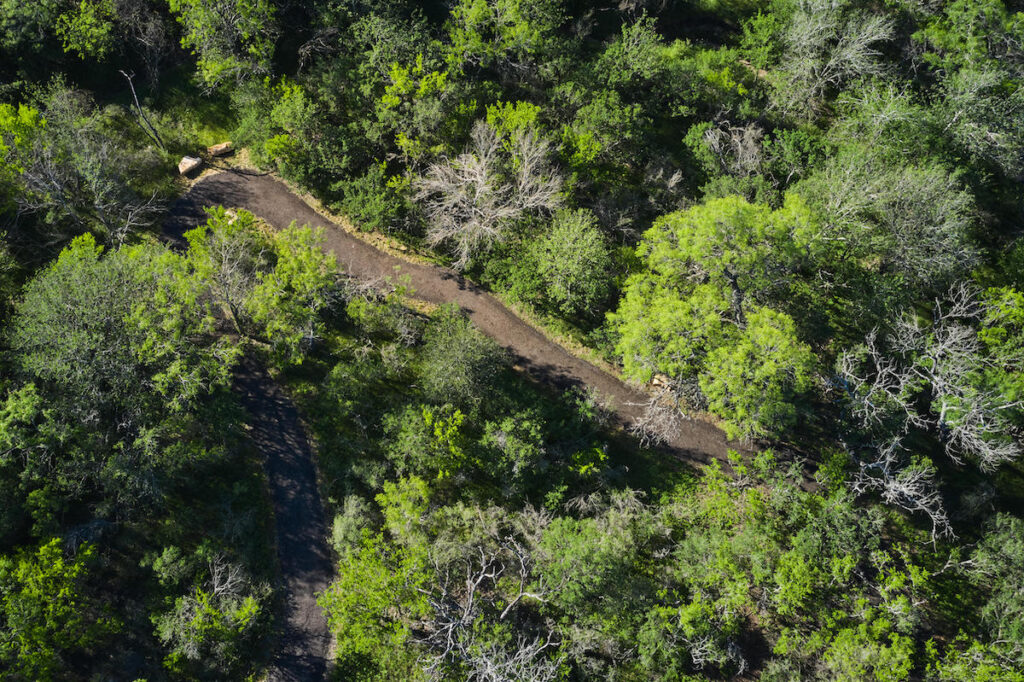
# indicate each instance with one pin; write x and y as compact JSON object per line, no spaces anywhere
{"x":287,"y":302}
{"x":965,"y":32}
{"x":974,"y":46}
{"x":777,"y":197}
{"x":807,"y":555}
{"x":592,"y":562}
{"x":275,"y":286}
{"x":574,"y":263}
{"x":376,"y":201}
{"x":87,"y":30}
{"x":696,"y":313}
{"x":202,"y":625}
{"x":283,"y":126}
{"x":413,"y":107}
{"x":416,"y":81}
{"x":876,"y":643}
{"x":233,"y":39}
{"x":868,"y":651}
{"x":662,"y":333}
{"x":19,"y":127}
{"x":513,"y":449}
{"x":509,"y":118}
{"x":603,"y":131}
{"x":45,"y":613}
{"x":404,"y":505}
{"x":736,"y":245}
{"x":20,"y":416}
{"x":1002,"y":334}
{"x":376,"y":591}
{"x":966,"y":660}
{"x":373,"y":581}
{"x":752,"y":382}
{"x":214,"y":612}
{"x":637,"y":56}
{"x":291,"y":123}
{"x":426,"y":441}
{"x":508,"y":32}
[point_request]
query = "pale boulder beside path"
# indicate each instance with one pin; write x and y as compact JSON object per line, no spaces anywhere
{"x":222,"y":149}
{"x":189,"y":164}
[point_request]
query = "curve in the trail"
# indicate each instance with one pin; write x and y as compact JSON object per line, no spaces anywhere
{"x":304,"y":561}
{"x":696,"y":441}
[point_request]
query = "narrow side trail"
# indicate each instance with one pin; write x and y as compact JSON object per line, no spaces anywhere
{"x":305,"y":562}
{"x":696,"y":442}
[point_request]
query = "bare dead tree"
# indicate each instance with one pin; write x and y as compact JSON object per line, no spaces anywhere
{"x":148,"y":32}
{"x":324,"y":41}
{"x":398,"y":319}
{"x":524,"y":661}
{"x":737,"y":148}
{"x":884,"y":392}
{"x":915,"y":220}
{"x":472,"y":200}
{"x":663,"y":416}
{"x":144,"y":122}
{"x":227,"y":578}
{"x":468,"y":588}
{"x":73,"y":180}
{"x":825,"y":47}
{"x":970,"y":418}
{"x":877,"y":386}
{"x":912,"y":487}
{"x":235,"y":255}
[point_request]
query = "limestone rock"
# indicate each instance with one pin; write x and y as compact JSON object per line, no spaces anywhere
{"x":189,"y":164}
{"x":220,"y":149}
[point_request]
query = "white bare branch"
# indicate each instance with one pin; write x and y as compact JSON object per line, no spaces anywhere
{"x":472,"y":200}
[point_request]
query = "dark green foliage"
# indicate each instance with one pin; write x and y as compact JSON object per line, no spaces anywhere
{"x":375,"y":201}
{"x":121,"y":349}
{"x":458,"y":363}
{"x":116,"y":409}
{"x":997,"y":564}
{"x":219,"y":617}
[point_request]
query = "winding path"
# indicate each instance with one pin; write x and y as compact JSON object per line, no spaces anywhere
{"x":270,"y":199}
{"x":277,"y":431}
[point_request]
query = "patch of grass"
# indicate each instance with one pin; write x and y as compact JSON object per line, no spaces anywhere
{"x":188,"y":118}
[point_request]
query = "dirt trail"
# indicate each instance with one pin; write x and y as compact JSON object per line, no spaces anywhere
{"x":697,"y":441}
{"x":305,"y":562}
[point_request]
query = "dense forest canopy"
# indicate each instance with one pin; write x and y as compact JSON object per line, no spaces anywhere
{"x":800,"y":220}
